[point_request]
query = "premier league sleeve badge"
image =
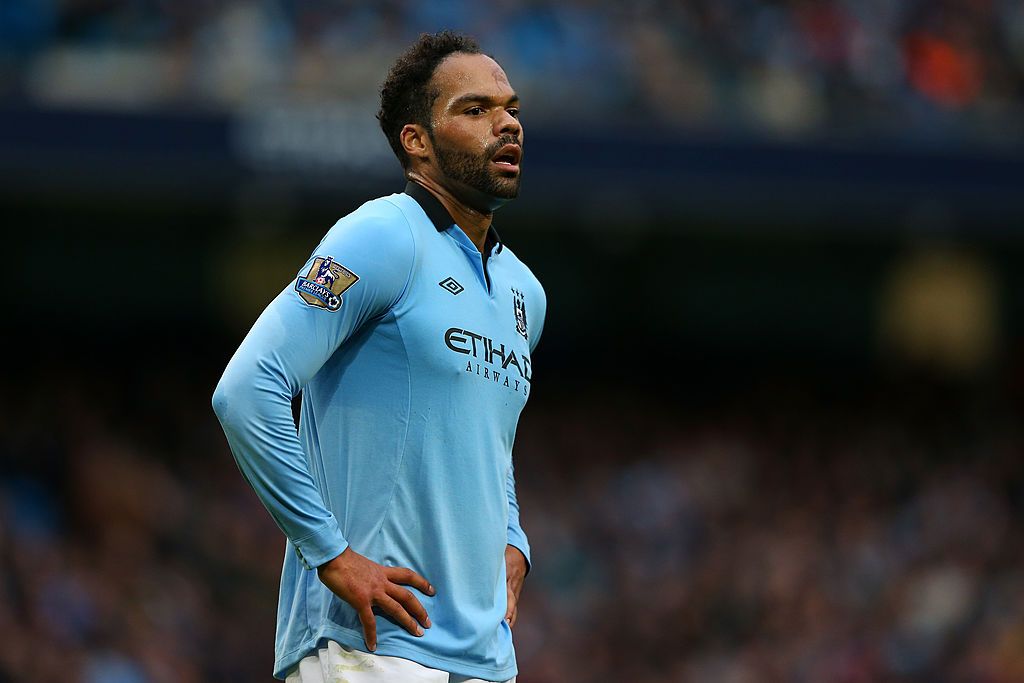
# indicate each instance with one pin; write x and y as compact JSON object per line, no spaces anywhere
{"x":325,"y":282}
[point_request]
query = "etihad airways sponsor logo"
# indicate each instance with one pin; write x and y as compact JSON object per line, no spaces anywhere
{"x":494,"y":361}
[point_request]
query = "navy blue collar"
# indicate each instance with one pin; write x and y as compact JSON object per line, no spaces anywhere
{"x":440,"y":217}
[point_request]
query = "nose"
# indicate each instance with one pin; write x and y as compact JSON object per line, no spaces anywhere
{"x":507,"y":125}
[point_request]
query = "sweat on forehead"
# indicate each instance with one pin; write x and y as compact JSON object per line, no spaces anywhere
{"x":499,"y":76}
{"x":466,"y":68}
{"x":475,"y":77}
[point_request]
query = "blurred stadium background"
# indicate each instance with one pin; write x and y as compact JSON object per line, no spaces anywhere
{"x":775,"y":434}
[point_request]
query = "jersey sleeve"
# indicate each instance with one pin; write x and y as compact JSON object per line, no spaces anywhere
{"x":516,"y":535}
{"x":357,"y":273}
{"x":538,"y":327}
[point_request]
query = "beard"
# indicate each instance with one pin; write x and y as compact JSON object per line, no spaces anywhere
{"x":478,"y":172}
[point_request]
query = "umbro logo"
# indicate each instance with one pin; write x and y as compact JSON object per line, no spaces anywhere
{"x":451,"y":285}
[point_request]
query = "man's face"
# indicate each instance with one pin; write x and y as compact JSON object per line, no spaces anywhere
{"x":476,"y":134}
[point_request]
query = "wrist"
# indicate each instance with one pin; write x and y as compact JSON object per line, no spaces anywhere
{"x":334,"y":564}
{"x":515,"y":562}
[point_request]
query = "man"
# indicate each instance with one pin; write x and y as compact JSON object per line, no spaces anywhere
{"x":410,"y":332}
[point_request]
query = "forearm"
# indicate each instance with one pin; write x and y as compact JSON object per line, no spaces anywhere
{"x":253,"y":404}
{"x":515,"y":567}
{"x":516,"y":537}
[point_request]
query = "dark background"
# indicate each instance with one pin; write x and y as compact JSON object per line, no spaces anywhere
{"x":774,"y":433}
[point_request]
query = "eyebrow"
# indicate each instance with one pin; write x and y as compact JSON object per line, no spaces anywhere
{"x":485,"y":99}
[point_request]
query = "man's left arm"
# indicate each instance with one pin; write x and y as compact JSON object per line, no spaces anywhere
{"x":517,"y":552}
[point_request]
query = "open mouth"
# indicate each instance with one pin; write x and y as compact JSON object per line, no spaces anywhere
{"x":508,"y":157}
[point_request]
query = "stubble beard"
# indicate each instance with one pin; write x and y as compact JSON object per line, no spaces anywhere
{"x":478,"y":172}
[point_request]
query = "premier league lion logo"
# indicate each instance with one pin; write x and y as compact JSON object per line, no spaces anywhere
{"x":324,"y":284}
{"x":324,"y":276}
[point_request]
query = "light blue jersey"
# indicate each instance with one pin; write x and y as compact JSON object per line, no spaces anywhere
{"x":414,"y":358}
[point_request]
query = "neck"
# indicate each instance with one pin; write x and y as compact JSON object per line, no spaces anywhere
{"x":471,"y":221}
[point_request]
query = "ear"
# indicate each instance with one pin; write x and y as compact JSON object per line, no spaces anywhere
{"x":415,"y":141}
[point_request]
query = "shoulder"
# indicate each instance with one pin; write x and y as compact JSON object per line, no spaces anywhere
{"x":377,"y":230}
{"x":374,"y":244}
{"x":378,"y":219}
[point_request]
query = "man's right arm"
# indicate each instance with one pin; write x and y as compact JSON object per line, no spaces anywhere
{"x":370,"y":260}
{"x":358,"y":272}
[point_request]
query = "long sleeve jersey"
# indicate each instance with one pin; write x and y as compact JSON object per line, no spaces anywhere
{"x":413,"y":352}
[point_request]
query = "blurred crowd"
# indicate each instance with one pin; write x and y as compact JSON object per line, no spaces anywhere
{"x":949,"y":69}
{"x":792,"y":536}
{"x":129,"y":552}
{"x":784,"y":534}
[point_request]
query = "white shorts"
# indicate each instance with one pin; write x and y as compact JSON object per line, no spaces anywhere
{"x":337,"y":663}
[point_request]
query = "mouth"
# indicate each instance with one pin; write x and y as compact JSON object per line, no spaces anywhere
{"x":508,"y":157}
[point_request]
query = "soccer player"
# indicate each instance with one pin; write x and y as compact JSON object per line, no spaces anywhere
{"x":410,"y":332}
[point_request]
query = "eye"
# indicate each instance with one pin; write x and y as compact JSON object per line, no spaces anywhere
{"x":475,"y":111}
{"x":513,"y":112}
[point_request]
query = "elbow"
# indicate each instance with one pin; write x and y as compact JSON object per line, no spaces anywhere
{"x":244,"y":391}
{"x":236,"y":396}
{"x":223,"y":397}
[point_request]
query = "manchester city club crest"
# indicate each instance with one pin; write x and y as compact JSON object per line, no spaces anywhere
{"x":325,"y":282}
{"x":520,"y":308}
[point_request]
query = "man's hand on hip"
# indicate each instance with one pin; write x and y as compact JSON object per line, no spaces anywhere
{"x":515,"y":572}
{"x":364,"y":584}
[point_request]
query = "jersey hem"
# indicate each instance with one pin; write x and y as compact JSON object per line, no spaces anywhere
{"x":284,"y":663}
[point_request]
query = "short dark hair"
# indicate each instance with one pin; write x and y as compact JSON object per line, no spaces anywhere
{"x":405,"y":96}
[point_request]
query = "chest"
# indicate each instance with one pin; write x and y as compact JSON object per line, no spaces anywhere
{"x":471,"y":336}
